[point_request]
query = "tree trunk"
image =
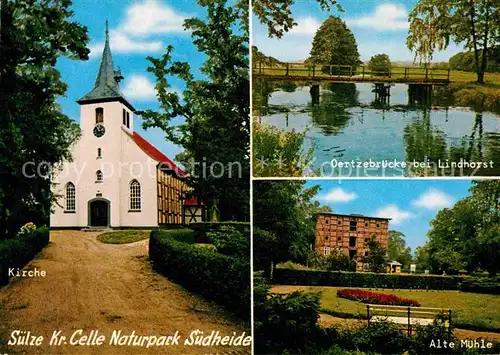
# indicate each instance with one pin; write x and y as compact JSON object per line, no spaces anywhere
{"x":480,"y":77}
{"x":484,"y":59}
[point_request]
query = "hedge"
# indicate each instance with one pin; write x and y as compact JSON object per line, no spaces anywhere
{"x":202,"y":228}
{"x":18,"y":251}
{"x":220,"y":278}
{"x":365,"y":280}
{"x":183,"y":235}
{"x":481,"y":285}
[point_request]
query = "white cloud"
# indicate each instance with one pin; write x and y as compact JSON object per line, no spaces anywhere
{"x":433,"y":199}
{"x":139,"y":87}
{"x":392,"y":211}
{"x":152,"y":17}
{"x":142,"y":20}
{"x":385,"y":17}
{"x":121,"y":43}
{"x":305,"y":26}
{"x":289,"y":48}
{"x":338,"y":195}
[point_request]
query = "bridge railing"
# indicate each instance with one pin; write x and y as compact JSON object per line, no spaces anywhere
{"x":361,"y":72}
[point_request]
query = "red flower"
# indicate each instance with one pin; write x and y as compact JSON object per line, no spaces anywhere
{"x":375,"y":297}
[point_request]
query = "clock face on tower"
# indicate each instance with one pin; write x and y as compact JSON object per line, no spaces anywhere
{"x":99,"y":130}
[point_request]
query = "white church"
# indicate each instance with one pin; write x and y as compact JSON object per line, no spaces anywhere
{"x":117,"y":179}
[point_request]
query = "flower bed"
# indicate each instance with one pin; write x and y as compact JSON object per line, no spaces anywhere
{"x":376,"y":298}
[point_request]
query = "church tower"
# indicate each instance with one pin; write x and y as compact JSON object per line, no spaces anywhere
{"x":105,"y":117}
{"x":117,"y":179}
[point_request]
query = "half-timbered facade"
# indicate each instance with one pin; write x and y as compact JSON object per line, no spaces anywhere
{"x":349,"y":234}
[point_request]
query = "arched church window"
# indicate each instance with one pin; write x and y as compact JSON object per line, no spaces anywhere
{"x":70,"y":197}
{"x":99,"y":115}
{"x":135,"y":195}
{"x":98,"y":176}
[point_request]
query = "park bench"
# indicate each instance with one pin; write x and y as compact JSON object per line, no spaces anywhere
{"x":406,"y":315}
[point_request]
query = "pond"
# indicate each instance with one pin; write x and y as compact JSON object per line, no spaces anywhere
{"x":353,"y":134}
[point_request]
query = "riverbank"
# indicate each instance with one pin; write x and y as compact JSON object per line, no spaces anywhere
{"x":480,"y":97}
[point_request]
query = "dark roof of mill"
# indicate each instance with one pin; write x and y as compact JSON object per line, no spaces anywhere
{"x":351,"y":215}
{"x":106,"y":86}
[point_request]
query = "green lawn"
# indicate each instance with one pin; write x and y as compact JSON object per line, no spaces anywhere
{"x":123,"y":237}
{"x":471,"y":310}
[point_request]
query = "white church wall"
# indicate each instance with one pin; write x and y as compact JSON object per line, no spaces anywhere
{"x":138,"y":165}
{"x":61,"y":177}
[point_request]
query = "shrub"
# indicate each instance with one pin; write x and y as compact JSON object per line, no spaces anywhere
{"x":481,"y":285}
{"x":380,"y":338}
{"x":201,"y":229}
{"x":376,"y":298}
{"x":26,"y":229}
{"x":338,"y":261}
{"x":286,"y":322}
{"x":183,"y":235}
{"x":282,"y":151}
{"x":291,"y":265}
{"x":229,"y":241}
{"x":365,"y":280}
{"x":220,"y":278}
{"x":17,"y":252}
{"x":424,"y":335}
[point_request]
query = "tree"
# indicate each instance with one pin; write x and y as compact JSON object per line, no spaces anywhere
{"x":435,"y":23}
{"x":464,"y":61}
{"x":485,"y":202}
{"x":215,"y":133}
{"x":284,"y":215}
{"x":451,"y":230}
{"x":397,"y":249}
{"x":467,"y":236}
{"x":334,"y":43}
{"x":376,"y":255}
{"x":380,"y":64}
{"x":338,"y":261}
{"x":34,"y":35}
{"x":277,"y":15}
{"x":422,"y":257}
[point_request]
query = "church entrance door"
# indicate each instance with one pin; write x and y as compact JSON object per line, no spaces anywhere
{"x":99,"y":213}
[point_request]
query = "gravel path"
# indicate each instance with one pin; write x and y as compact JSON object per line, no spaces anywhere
{"x":94,"y":286}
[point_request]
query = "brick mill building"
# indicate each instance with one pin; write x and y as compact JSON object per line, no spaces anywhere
{"x":349,"y":234}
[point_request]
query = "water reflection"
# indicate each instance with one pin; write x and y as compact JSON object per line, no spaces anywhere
{"x":346,"y":121}
{"x":330,"y":113}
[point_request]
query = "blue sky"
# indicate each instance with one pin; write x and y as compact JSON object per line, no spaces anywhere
{"x":411,"y":204}
{"x":137,"y":29}
{"x":379,"y":26}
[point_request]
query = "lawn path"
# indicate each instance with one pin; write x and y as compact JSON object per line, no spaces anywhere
{"x":95,"y":286}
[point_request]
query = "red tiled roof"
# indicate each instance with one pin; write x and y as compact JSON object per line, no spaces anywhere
{"x":155,"y":154}
{"x":192,"y":201}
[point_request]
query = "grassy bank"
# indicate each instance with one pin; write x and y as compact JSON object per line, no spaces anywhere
{"x":471,"y":310}
{"x":484,"y":97}
{"x":123,"y":237}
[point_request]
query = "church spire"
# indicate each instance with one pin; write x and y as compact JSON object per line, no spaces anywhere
{"x":106,"y":84}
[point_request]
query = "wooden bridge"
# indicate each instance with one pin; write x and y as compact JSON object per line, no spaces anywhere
{"x":318,"y":73}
